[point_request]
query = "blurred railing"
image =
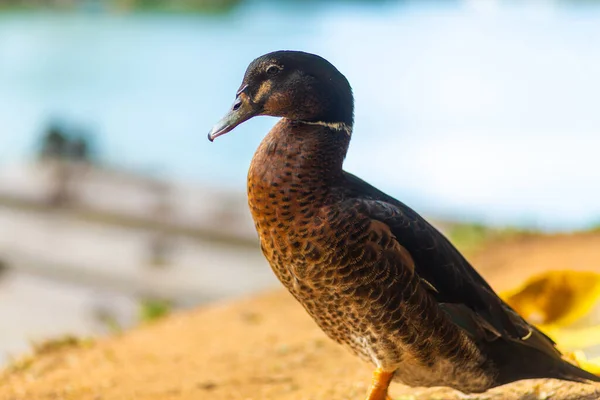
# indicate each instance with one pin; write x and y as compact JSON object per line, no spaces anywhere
{"x":91,"y":238}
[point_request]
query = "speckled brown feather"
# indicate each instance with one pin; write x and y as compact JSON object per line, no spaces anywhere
{"x":348,"y":270}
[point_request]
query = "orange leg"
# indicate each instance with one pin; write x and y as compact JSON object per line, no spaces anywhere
{"x":379,"y":385}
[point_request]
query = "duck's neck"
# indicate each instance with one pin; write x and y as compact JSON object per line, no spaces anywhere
{"x":298,"y":158}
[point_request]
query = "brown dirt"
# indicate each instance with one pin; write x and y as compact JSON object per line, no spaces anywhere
{"x":266,"y":347}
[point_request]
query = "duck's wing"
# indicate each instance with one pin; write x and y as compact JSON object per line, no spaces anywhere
{"x":460,"y":291}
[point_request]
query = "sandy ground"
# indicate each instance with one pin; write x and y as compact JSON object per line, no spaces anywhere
{"x":266,"y":347}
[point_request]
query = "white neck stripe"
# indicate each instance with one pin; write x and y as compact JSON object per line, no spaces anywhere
{"x":338,"y":126}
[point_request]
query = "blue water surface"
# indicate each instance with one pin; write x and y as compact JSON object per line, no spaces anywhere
{"x":478,"y":110}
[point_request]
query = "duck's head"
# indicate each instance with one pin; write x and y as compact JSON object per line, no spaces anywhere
{"x":294,"y":85}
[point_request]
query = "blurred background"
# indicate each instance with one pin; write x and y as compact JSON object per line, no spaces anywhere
{"x":115,"y":209}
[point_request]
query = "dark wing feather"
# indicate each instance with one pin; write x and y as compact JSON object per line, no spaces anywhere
{"x":461,"y":292}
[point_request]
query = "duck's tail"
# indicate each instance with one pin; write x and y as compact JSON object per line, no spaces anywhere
{"x":571,"y":372}
{"x":515,"y":361}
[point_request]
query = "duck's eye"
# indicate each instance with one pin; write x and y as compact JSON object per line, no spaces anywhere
{"x":273,"y":70}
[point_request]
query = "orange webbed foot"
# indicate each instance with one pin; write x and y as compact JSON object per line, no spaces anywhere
{"x":379,"y":385}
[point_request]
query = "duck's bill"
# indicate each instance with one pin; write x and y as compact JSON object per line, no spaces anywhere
{"x":241,"y":111}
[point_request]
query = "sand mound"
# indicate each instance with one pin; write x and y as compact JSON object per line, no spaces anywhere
{"x":261,"y":348}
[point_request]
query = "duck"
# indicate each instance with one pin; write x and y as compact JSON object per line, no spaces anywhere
{"x":374,"y":275}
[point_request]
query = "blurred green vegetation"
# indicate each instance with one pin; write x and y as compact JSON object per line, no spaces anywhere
{"x":48,"y":346}
{"x":124,"y":5}
{"x":471,"y":237}
{"x":595,"y":227}
{"x":52,"y":345}
{"x":152,"y":309}
{"x":177,"y":5}
{"x":60,"y":142}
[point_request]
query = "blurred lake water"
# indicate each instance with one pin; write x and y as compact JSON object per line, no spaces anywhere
{"x":477,"y":109}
